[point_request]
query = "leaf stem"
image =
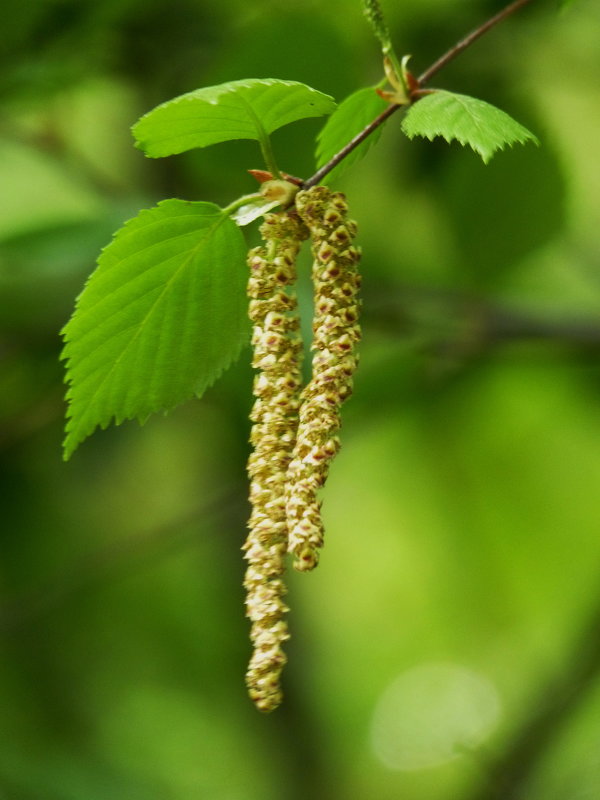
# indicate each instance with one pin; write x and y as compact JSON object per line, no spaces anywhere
{"x":241,"y":201}
{"x":437,"y":65}
{"x":269,"y":156}
{"x":264,"y":140}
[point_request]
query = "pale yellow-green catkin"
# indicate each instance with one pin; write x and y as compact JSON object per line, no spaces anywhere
{"x":277,"y":357}
{"x":335,"y":334}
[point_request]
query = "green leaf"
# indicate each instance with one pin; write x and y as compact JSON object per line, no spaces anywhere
{"x":468,"y":120}
{"x":351,"y":116}
{"x":249,"y":109}
{"x":161,"y":317}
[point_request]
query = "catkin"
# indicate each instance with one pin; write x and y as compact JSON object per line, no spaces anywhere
{"x":335,"y":334}
{"x":277,"y":357}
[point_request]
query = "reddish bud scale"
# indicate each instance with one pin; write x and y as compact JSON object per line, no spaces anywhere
{"x":336,"y":332}
{"x":277,"y":356}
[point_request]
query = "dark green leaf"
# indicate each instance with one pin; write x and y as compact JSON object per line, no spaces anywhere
{"x":468,"y":120}
{"x":352,"y":115}
{"x":249,"y":109}
{"x":161,"y":317}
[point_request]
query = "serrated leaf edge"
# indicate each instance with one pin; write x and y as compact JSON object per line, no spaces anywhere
{"x":485,"y":153}
{"x":64,"y":356}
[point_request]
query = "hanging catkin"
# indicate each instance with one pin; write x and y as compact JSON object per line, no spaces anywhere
{"x":335,"y":334}
{"x":277,"y":356}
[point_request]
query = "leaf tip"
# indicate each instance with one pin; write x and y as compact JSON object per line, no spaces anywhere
{"x":69,"y":445}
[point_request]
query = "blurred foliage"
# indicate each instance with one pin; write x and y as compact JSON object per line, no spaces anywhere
{"x":462,"y":515}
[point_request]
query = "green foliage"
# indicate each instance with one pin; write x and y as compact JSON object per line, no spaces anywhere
{"x":470,"y":121}
{"x":357,"y":110}
{"x":158,"y":321}
{"x":470,"y":462}
{"x":163,"y":314}
{"x":247,"y":109}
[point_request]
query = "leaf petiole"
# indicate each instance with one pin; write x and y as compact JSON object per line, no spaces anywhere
{"x":241,"y":201}
{"x":268,"y":154}
{"x":264,"y":140}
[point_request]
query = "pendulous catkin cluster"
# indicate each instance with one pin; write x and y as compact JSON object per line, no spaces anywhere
{"x":277,"y":357}
{"x":335,"y":335}
{"x":294,"y":433}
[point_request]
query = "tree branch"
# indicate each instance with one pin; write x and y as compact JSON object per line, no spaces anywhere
{"x":441,"y":62}
{"x":480,"y":322}
{"x":107,"y":563}
{"x":352,"y":144}
{"x":551,"y":708}
{"x":468,"y":40}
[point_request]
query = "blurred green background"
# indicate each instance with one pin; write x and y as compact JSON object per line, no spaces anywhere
{"x":448,"y":646}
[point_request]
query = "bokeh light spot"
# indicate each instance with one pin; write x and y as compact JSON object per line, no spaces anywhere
{"x":432,"y":714}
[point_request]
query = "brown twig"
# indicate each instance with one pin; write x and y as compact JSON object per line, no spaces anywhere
{"x":352,"y":144}
{"x":468,"y":40}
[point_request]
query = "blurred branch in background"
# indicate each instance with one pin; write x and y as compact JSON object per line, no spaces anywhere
{"x":456,"y":326}
{"x":552,"y":708}
{"x":50,"y":140}
{"x":450,"y":324}
{"x":118,"y":560}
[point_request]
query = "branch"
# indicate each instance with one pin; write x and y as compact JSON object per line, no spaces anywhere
{"x":468,"y":40}
{"x":457,"y":317}
{"x":505,"y":324}
{"x":441,"y":62}
{"x":107,"y":563}
{"x":352,"y":144}
{"x":551,"y":709}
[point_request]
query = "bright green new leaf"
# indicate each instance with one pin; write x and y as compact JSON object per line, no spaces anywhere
{"x":351,"y":116}
{"x":468,"y":120}
{"x":161,"y":317}
{"x":249,"y":109}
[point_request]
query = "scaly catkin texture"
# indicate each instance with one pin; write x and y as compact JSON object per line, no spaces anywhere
{"x":277,"y":356}
{"x":335,"y":334}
